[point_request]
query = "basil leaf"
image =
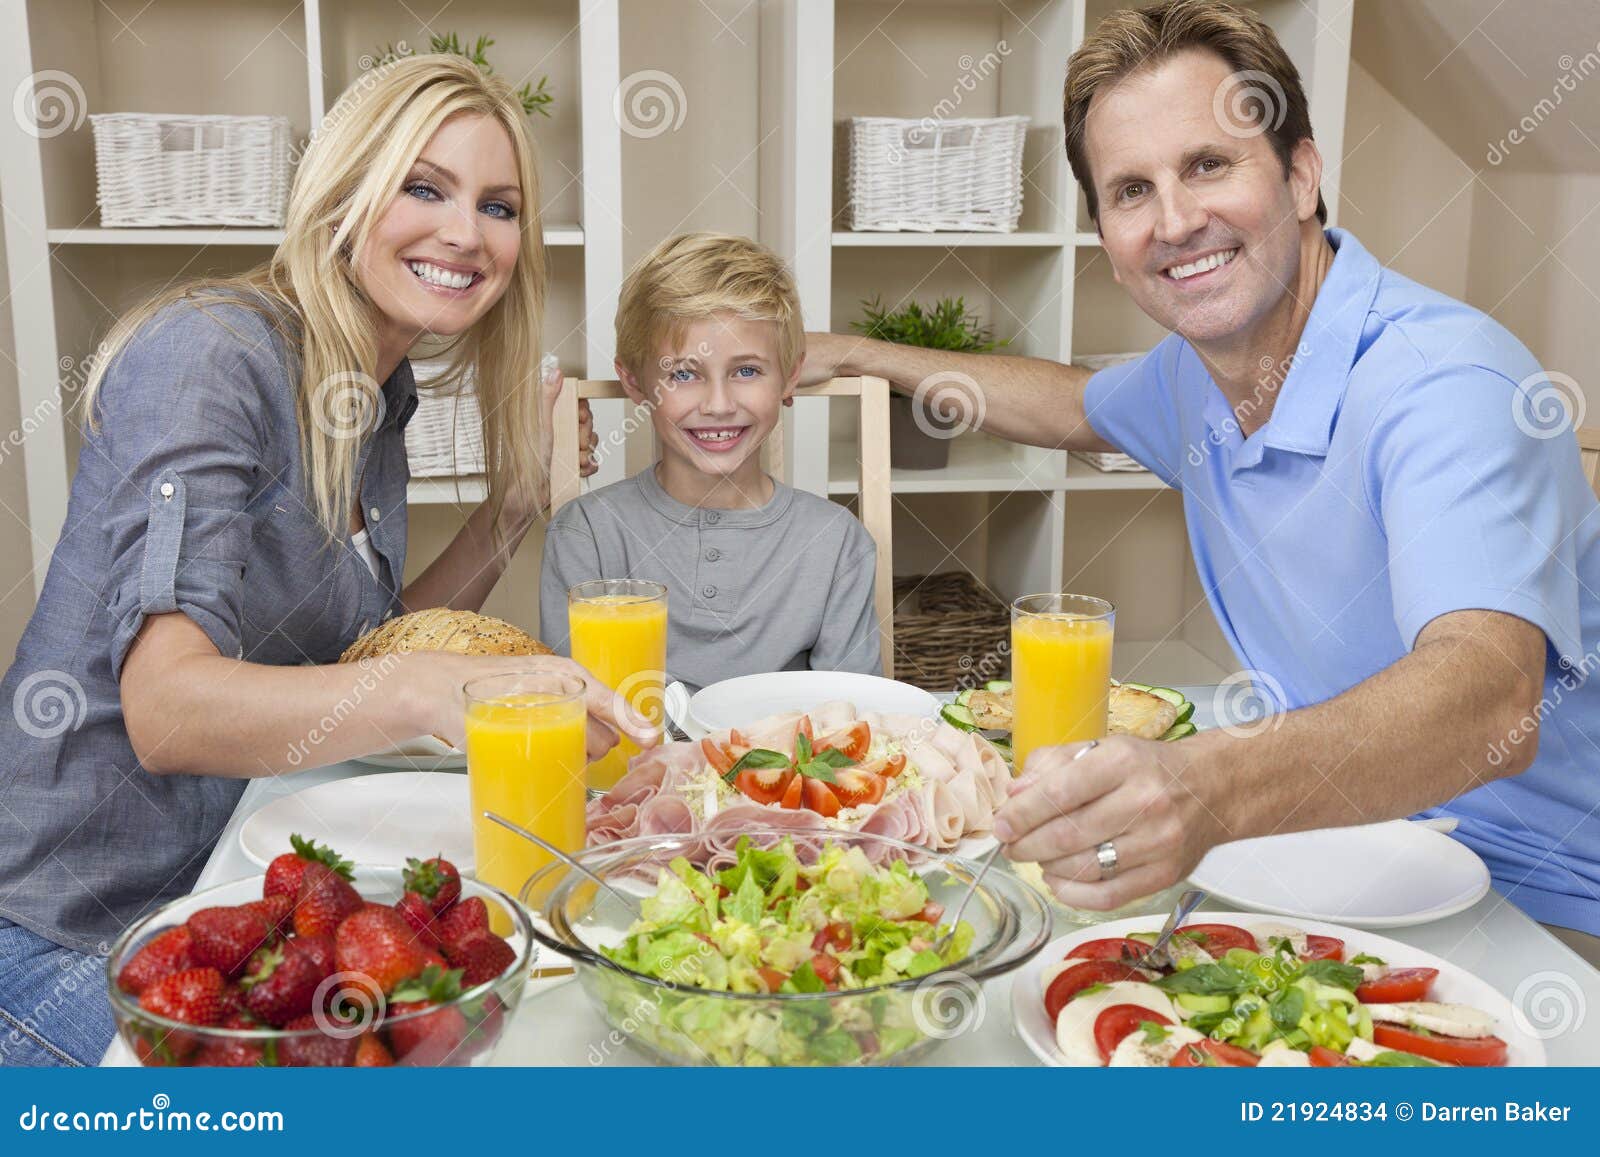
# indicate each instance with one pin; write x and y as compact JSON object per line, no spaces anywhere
{"x":1364,"y":958}
{"x":816,"y":769}
{"x":833,"y":757}
{"x":1287,"y":1010}
{"x":1089,"y":988}
{"x":1205,"y":979}
{"x":759,"y":758}
{"x":1333,"y":972}
{"x":802,"y":748}
{"x":1153,"y":1033}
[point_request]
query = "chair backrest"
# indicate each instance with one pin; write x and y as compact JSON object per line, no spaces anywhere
{"x":1589,"y":453}
{"x":875,"y":502}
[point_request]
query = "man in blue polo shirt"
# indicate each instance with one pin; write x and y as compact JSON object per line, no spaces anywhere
{"x":1395,"y":536}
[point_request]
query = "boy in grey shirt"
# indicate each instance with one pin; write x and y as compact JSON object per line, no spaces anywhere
{"x":759,"y":576}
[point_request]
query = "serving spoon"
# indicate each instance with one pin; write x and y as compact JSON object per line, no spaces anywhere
{"x":627,"y":902}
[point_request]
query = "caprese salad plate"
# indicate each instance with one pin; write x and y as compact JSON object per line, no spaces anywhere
{"x":1248,"y":990}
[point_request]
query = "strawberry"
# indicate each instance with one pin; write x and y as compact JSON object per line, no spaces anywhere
{"x":481,"y":956}
{"x":325,"y":898}
{"x":285,"y":871}
{"x":320,"y":949}
{"x":314,"y":1050}
{"x":431,"y":1038}
{"x":435,"y":880}
{"x":162,"y":956}
{"x":193,"y":996}
{"x":276,"y":910}
{"x":462,"y":918}
{"x":281,"y":982}
{"x":419,"y":915}
{"x":234,"y":1053}
{"x":224,"y":938}
{"x":370,"y":1053}
{"x":378,"y":943}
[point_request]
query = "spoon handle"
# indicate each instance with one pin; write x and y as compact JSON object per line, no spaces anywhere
{"x":627,"y":901}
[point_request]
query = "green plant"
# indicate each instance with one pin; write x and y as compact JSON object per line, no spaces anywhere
{"x":534,"y":99}
{"x":946,"y":326}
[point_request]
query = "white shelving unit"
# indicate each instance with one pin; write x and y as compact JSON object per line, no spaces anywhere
{"x":1045,"y":288}
{"x":69,"y":277}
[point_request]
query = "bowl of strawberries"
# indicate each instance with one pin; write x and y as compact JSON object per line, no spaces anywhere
{"x":322,"y":963}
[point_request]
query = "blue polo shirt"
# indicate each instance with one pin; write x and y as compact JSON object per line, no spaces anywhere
{"x":1412,"y":466}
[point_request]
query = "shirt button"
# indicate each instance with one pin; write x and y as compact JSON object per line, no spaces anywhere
{"x":709,"y":592}
{"x":713,"y":518}
{"x":713,"y":554}
{"x":167,"y":490}
{"x":373,"y":514}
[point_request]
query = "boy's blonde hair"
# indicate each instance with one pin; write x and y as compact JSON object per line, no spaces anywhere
{"x":692,"y":276}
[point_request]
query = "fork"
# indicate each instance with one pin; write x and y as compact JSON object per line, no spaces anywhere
{"x":1159,"y":956}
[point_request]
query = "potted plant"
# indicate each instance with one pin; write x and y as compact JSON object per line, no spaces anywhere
{"x":919,"y":437}
{"x":534,"y":100}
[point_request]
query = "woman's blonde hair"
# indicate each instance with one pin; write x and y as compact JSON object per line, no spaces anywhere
{"x":695,"y":275}
{"x":350,"y":173}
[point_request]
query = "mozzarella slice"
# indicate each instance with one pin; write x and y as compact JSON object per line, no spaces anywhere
{"x":1075,"y":1024}
{"x":1362,"y":1049}
{"x":1265,"y":934}
{"x":1134,"y":1051}
{"x":1182,"y":948}
{"x":1458,"y":1020}
{"x":1371,"y":972}
{"x":1284,"y":1058}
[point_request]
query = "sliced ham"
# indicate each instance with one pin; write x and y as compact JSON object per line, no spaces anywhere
{"x":666,"y":814}
{"x":941,"y":811}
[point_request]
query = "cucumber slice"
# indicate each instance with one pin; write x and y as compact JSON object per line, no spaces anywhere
{"x":1202,"y":1002}
{"x":1185,"y":713}
{"x":964,"y":695}
{"x":1143,"y":937}
{"x":997,"y":685}
{"x":1138,"y":686}
{"x":1177,"y":731}
{"x":1173,"y":697}
{"x":957,"y":715}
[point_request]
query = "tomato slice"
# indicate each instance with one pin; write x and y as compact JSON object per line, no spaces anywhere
{"x":1322,"y":948}
{"x":932,"y":912}
{"x":853,"y":787}
{"x":1114,"y":948}
{"x":717,"y":755}
{"x":838,"y":935}
{"x":1397,"y":985}
{"x":763,"y":784}
{"x":804,"y":728}
{"x":1323,"y":1057}
{"x":792,"y":794}
{"x":737,"y":740}
{"x":1117,"y":1022}
{"x":851,"y":741}
{"x":1069,"y":981}
{"x":887,"y":766}
{"x":819,"y":797}
{"x":1218,"y":938}
{"x":772,"y":978}
{"x":826,"y":968}
{"x":1208,"y":1052}
{"x":1481,"y":1050}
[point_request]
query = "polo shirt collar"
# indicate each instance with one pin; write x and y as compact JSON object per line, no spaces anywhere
{"x":743,"y":519}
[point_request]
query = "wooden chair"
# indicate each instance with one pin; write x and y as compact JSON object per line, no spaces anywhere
{"x":875,"y":504}
{"x":1589,"y":454}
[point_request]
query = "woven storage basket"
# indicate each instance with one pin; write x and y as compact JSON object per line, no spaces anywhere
{"x":917,"y":176}
{"x":949,"y":632}
{"x":445,"y":436}
{"x":161,"y":169}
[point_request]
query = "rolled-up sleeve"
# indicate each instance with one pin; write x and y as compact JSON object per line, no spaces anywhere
{"x":1479,"y":513}
{"x":181,"y":419}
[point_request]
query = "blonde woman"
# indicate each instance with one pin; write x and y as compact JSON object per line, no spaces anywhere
{"x":238,"y":518}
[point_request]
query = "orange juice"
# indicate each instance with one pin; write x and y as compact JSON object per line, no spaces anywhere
{"x":1061,"y":671}
{"x":619,"y":632}
{"x":525,"y":761}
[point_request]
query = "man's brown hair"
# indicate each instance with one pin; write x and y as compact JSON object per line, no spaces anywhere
{"x":1268,"y":96}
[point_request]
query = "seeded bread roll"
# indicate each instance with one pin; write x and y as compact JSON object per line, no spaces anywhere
{"x":441,"y":629}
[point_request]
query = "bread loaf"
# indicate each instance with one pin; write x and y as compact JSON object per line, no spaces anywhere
{"x":441,"y":629}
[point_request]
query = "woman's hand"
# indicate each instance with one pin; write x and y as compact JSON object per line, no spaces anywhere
{"x":435,"y":700}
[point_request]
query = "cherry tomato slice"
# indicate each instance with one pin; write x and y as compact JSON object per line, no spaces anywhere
{"x":1208,"y":1052}
{"x":1218,"y":938}
{"x":826,"y":968}
{"x":1322,"y":948}
{"x":717,"y":755}
{"x":887,"y":766}
{"x":1323,"y":1057}
{"x":853,"y":787}
{"x":763,"y":784}
{"x":1400,"y":984}
{"x":819,"y":797}
{"x":1117,"y":1022}
{"x":1069,"y":981}
{"x":772,"y":978}
{"x":792,"y":794}
{"x":804,"y":728}
{"x":851,"y":741}
{"x":1482,"y":1050}
{"x":838,"y":935}
{"x":1114,"y":948}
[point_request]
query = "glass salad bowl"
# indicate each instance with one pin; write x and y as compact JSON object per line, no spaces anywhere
{"x":452,"y":1032}
{"x":670,"y":1013}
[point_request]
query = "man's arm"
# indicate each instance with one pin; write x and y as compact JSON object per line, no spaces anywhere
{"x":1457,"y":712}
{"x":1029,"y":400}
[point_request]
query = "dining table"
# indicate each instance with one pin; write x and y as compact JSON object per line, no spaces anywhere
{"x":557,"y":1024}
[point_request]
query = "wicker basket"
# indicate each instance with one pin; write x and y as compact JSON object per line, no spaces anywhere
{"x":949,"y":632}
{"x":445,"y":436}
{"x":922,"y":176}
{"x":161,"y":169}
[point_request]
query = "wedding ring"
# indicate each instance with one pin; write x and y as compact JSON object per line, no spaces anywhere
{"x":1106,"y":853}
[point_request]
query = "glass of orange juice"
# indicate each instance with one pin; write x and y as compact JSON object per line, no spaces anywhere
{"x":619,"y":632}
{"x":526,"y":752}
{"x":1060,"y":670}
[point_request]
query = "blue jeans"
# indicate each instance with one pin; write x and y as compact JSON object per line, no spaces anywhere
{"x":53,"y":1005}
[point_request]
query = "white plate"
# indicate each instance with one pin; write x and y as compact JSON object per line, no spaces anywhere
{"x":1386,"y":875}
{"x":425,"y":753}
{"x":372,"y":820}
{"x":1454,"y":985}
{"x":737,"y":702}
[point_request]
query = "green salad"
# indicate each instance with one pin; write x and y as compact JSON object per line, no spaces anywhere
{"x":772,"y":925}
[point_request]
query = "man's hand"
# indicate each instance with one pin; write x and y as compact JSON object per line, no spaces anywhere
{"x":1126,"y":790}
